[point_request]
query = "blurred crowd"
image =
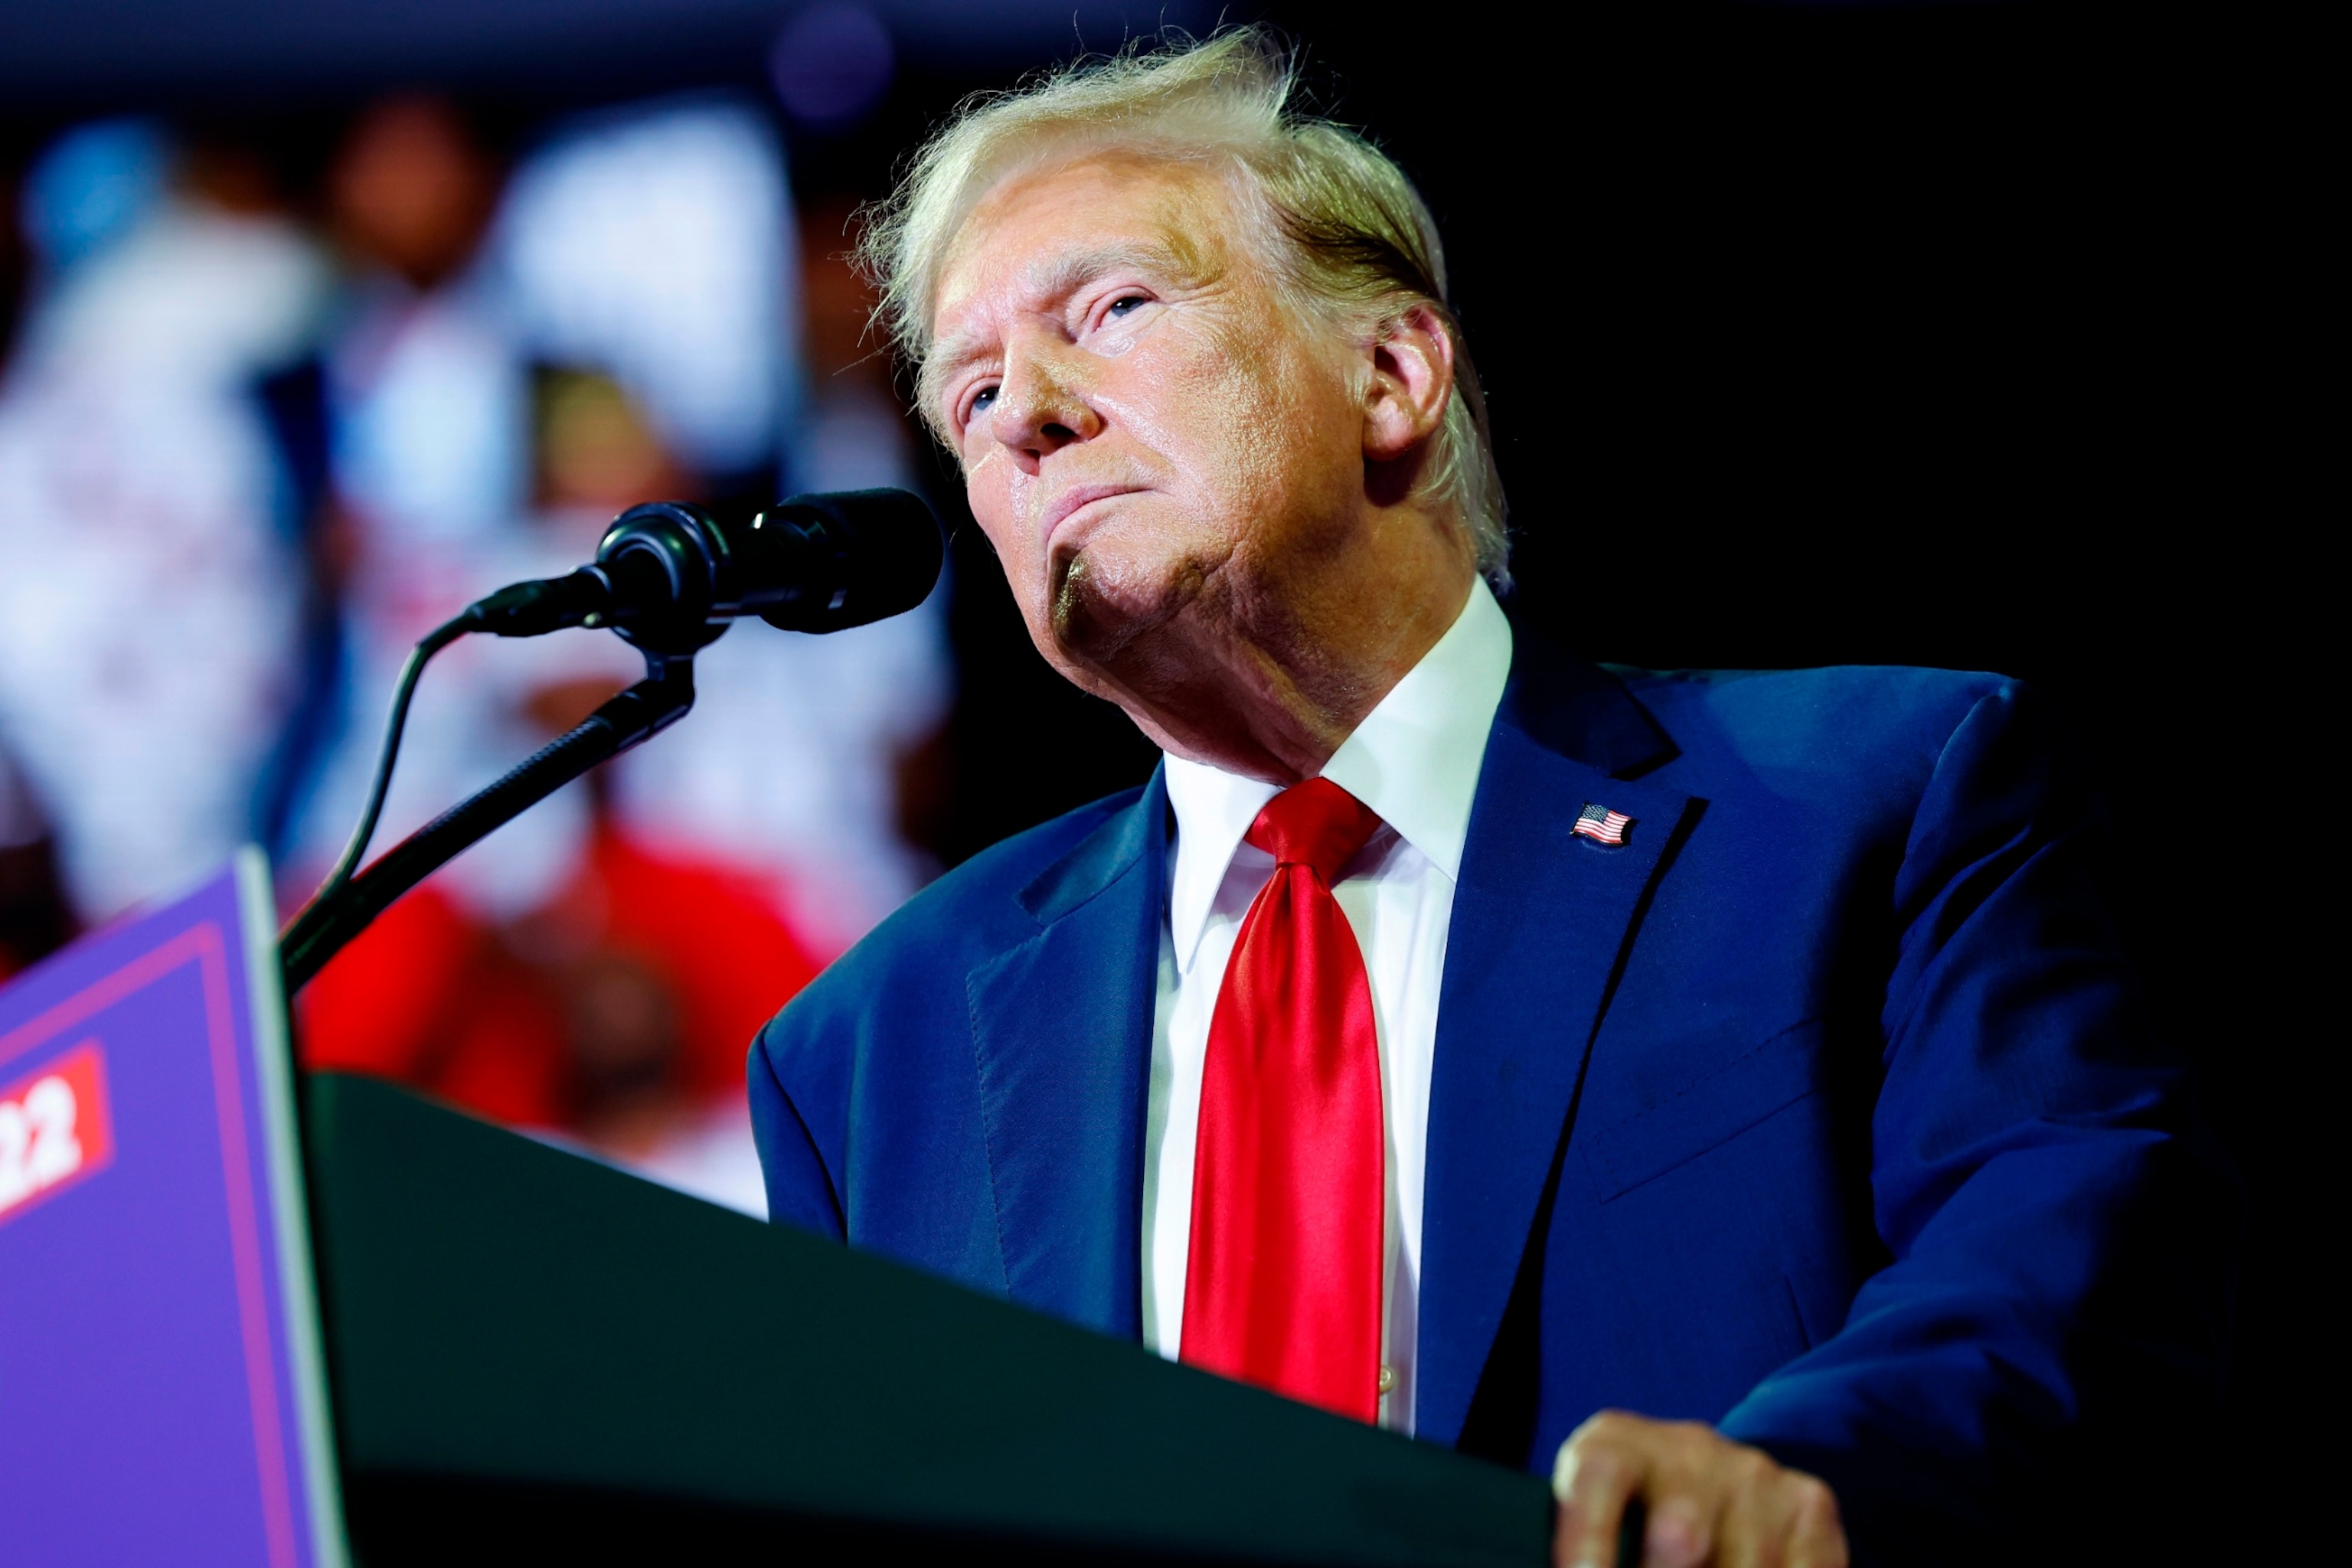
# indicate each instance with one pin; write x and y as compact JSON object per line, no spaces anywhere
{"x":254,"y":442}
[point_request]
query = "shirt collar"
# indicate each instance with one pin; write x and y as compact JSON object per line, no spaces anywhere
{"x":1415,"y":761}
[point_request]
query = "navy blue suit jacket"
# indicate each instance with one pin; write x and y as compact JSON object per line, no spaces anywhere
{"x":1823,"y":1109}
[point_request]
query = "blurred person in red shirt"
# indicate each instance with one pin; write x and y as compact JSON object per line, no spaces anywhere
{"x":614,"y":1011}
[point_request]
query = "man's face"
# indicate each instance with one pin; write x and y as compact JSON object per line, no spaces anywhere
{"x":1150,"y":435}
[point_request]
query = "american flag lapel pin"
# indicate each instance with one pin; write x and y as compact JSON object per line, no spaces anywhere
{"x":1601,"y":824}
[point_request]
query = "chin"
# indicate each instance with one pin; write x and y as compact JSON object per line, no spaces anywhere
{"x":1104,"y":597}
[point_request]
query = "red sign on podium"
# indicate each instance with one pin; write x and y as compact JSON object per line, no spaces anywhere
{"x":53,"y":1129}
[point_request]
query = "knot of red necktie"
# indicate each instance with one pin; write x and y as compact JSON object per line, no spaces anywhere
{"x":1316,"y":825}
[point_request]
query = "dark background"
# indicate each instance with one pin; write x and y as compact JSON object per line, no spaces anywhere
{"x":1929,"y":335}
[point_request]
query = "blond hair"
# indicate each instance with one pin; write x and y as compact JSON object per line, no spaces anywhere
{"x":1348,"y":235}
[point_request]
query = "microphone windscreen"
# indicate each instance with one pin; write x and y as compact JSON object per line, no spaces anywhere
{"x":882,"y":550}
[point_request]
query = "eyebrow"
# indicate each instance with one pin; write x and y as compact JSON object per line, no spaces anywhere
{"x":1064,"y":275}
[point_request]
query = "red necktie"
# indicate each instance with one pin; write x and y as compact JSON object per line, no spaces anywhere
{"x":1283,"y":1286}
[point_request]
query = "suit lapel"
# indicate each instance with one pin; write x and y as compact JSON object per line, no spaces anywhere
{"x":1062,"y":1028}
{"x":1540,"y":918}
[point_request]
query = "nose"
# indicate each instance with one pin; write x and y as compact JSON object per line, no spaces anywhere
{"x":1041,"y":406}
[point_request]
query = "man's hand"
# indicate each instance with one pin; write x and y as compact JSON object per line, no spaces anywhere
{"x":1710,"y":1500}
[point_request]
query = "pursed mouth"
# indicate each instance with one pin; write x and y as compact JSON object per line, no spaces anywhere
{"x":1072,"y":501}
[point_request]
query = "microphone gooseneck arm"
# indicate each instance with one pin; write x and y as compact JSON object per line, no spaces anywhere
{"x":331,"y":919}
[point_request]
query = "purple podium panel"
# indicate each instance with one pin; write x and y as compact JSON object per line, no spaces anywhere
{"x":162,"y":1397}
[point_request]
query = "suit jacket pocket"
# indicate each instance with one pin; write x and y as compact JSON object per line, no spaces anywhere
{"x":1710,"y":1110}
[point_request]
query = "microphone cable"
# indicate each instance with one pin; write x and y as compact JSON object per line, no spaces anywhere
{"x":387,"y":754}
{"x":519,"y":609}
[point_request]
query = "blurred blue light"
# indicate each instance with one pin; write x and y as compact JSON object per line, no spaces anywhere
{"x":91,"y":187}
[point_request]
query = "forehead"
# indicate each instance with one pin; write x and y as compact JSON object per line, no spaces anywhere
{"x":1036,"y":235}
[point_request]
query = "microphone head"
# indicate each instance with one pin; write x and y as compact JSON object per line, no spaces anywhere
{"x":665,"y":564}
{"x":860,"y":556}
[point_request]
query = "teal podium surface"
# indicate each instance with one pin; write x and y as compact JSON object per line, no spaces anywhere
{"x":530,"y":1353}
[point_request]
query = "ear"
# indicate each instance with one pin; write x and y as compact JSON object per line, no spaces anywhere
{"x":1411,"y":384}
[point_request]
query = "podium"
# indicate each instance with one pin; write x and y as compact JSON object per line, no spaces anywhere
{"x":254,"y":1317}
{"x":534,"y":1356}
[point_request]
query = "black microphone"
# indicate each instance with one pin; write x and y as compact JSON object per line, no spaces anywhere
{"x":669,"y":575}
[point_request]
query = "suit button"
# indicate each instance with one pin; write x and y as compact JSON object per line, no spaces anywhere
{"x":1388,"y":1378}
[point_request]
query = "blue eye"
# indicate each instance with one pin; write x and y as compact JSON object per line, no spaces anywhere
{"x":1122,"y":306}
{"x":981,"y":399}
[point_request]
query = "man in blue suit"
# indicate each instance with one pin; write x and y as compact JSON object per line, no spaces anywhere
{"x":1722,"y":1089}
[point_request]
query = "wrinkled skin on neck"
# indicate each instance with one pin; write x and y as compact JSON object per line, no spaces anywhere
{"x":1202,"y":495}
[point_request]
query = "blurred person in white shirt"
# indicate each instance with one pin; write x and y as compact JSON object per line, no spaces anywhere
{"x":724,"y":334}
{"x":149,"y":621}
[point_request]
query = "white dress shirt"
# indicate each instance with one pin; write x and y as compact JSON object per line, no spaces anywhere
{"x":1415,"y":761}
